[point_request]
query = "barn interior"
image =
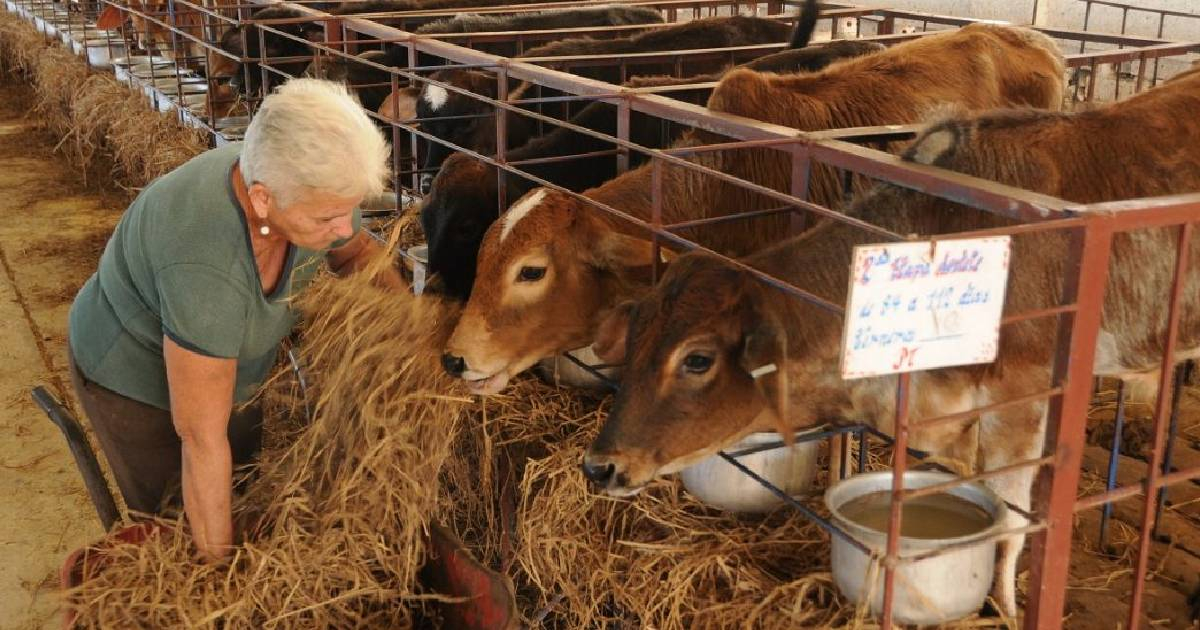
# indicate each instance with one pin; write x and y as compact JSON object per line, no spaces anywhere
{"x":389,"y":494}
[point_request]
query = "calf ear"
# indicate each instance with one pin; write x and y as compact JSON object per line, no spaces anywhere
{"x":764,"y":358}
{"x":613,"y":332}
{"x":111,"y":17}
{"x":400,"y":105}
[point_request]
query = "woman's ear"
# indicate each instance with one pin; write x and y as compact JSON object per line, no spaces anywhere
{"x":260,"y":200}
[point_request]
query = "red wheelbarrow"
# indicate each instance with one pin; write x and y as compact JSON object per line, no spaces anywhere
{"x":484,"y":598}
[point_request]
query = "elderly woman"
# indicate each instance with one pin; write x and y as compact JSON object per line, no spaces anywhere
{"x":183,"y":318}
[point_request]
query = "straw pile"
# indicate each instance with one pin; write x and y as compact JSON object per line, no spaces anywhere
{"x":99,"y":119}
{"x":335,"y":521}
{"x":20,"y":45}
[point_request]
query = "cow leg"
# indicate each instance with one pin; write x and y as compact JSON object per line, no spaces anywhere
{"x":1007,"y":438}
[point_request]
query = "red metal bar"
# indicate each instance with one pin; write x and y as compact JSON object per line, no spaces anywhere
{"x":1166,"y":383}
{"x":987,"y":474}
{"x":962,"y":416}
{"x":899,"y":465}
{"x":1066,"y":420}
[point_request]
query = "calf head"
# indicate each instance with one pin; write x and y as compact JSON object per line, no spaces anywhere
{"x":705,"y":364}
{"x":146,"y":32}
{"x":547,"y":270}
{"x":456,"y":214}
{"x":440,"y":112}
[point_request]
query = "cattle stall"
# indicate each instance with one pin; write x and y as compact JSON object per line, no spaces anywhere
{"x":1084,"y":473}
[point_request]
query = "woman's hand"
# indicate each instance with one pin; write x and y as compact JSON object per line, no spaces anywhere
{"x":201,"y":401}
{"x":358,"y":253}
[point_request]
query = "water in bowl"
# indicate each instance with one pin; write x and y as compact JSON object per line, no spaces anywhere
{"x":935,"y":516}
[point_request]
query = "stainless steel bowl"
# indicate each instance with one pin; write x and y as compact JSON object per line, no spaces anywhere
{"x":931,"y":591}
{"x":100,"y":52}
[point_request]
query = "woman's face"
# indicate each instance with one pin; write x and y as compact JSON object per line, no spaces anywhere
{"x":313,"y":221}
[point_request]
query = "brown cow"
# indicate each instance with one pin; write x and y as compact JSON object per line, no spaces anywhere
{"x":695,"y":342}
{"x":448,"y":115}
{"x":552,"y":266}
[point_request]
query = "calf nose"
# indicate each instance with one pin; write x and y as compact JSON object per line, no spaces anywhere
{"x":454,"y":365}
{"x":600,"y":472}
{"x":426,"y":183}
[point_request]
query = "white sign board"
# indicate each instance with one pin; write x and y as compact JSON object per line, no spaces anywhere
{"x":919,"y":306}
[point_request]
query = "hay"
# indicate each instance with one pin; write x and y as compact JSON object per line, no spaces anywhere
{"x":20,"y":44}
{"x":341,"y":513}
{"x":57,"y":76}
{"x":662,"y":560}
{"x":99,"y":119}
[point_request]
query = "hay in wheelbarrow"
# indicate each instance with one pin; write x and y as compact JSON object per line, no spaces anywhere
{"x":335,"y":521}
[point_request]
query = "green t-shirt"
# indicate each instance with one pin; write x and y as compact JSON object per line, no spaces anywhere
{"x":180,"y":263}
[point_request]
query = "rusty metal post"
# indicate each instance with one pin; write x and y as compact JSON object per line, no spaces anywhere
{"x":1166,"y":382}
{"x":1172,"y":431}
{"x":394,"y":116}
{"x":1066,"y":420}
{"x":801,"y":175}
{"x":1091,"y":90}
{"x":1087,"y":16}
{"x":623,"y":112}
{"x":656,"y":180}
{"x":1162,"y":17}
{"x":501,"y":137}
{"x":899,"y":465}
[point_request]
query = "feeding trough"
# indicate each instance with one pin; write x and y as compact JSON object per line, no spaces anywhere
{"x":932,"y":590}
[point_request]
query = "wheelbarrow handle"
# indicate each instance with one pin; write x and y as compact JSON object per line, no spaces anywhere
{"x":85,"y":457}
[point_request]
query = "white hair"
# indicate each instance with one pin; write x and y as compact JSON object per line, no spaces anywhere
{"x":312,"y":134}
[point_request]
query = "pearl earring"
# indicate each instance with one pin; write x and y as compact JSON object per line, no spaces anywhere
{"x":264,"y":230}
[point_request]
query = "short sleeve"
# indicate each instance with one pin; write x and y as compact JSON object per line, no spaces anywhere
{"x":355,"y":223}
{"x":202,"y":309}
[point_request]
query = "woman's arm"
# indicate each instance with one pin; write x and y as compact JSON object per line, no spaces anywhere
{"x":201,"y":400}
{"x":359,"y":252}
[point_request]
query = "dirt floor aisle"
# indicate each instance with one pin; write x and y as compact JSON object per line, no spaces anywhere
{"x":50,"y":240}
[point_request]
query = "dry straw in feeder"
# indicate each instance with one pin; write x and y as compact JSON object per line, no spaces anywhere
{"x":341,"y":512}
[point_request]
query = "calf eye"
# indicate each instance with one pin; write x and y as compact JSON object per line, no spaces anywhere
{"x":531,"y":274}
{"x":697,"y":363}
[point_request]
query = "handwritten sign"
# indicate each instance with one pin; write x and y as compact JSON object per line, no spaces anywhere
{"x":919,"y":306}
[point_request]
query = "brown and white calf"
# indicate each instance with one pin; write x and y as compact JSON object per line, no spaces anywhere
{"x":552,"y":266}
{"x":692,"y":346}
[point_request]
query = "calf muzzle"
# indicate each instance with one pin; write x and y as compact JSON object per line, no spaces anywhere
{"x":453,"y":364}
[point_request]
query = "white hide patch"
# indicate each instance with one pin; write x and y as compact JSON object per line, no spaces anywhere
{"x":933,"y":146}
{"x":518,"y":212}
{"x":435,"y":96}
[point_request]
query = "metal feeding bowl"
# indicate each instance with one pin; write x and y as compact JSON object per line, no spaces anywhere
{"x":182,"y":84}
{"x":138,"y":65}
{"x":934,"y":590}
{"x":417,"y":259}
{"x":718,"y":483}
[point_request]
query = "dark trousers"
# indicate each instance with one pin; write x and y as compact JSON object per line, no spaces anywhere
{"x":141,"y":446}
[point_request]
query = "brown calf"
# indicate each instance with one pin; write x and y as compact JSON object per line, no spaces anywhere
{"x":551,"y":267}
{"x":694,"y":343}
